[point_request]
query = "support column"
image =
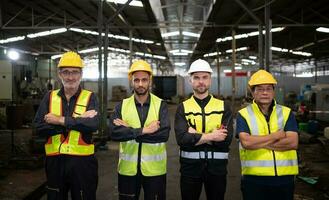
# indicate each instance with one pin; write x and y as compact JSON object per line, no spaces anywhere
{"x":233,"y":67}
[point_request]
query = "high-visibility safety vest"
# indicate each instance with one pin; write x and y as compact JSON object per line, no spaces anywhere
{"x":265,"y":162}
{"x":73,"y":144}
{"x":204,"y":120}
{"x":153,"y":157}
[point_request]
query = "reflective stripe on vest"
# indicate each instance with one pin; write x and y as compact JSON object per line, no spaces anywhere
{"x":262,"y":162}
{"x":73,"y":144}
{"x":153,"y":156}
{"x":202,"y":155}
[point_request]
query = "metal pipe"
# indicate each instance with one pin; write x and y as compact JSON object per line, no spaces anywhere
{"x":267,"y":36}
{"x":233,"y":66}
{"x":260,"y":47}
{"x":100,"y":88}
{"x":218,"y":71}
{"x":105,"y":82}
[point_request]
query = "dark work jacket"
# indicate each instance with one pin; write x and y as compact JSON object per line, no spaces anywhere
{"x":86,"y":126}
{"x":187,"y":141}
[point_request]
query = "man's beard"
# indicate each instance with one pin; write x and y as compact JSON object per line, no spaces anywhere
{"x":141,"y":92}
{"x":200,"y":91}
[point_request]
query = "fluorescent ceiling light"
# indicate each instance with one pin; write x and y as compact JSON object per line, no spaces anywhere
{"x":291,"y":51}
{"x":238,"y":49}
{"x":253,"y":57}
{"x":175,"y":51}
{"x":133,"y":3}
{"x":170,"y":34}
{"x":305,"y":74}
{"x":180,"y":54}
{"x":46,"y":33}
{"x":118,"y":37}
{"x":180,"y":63}
{"x":13,"y":55}
{"x":116,"y":50}
{"x":323,"y":29}
{"x":187,"y":33}
{"x":12,"y":39}
{"x":212,"y":54}
{"x":227,"y":71}
{"x":246,"y":35}
{"x":238,"y":68}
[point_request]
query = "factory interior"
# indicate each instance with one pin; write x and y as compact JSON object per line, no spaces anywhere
{"x":288,"y":38}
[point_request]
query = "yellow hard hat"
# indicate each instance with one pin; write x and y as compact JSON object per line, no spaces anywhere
{"x":139,"y":65}
{"x":261,"y":77}
{"x":70,"y":59}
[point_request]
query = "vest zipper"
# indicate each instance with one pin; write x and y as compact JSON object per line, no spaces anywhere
{"x":204,"y":131}
{"x":81,"y":194}
{"x":140,"y":144}
{"x":273,"y":153}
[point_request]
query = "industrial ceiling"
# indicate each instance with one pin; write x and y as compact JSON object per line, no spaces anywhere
{"x":178,"y":32}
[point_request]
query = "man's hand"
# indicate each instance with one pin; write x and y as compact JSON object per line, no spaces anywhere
{"x":191,"y":130}
{"x":51,"y":118}
{"x":280,"y":134}
{"x":218,"y":135}
{"x":120,"y":122}
{"x":151,"y":128}
{"x":89,"y":114}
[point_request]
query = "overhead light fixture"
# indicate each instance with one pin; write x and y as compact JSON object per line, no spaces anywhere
{"x":212,"y":54}
{"x":170,"y":34}
{"x":187,"y":33}
{"x":323,"y":29}
{"x":253,"y":57}
{"x":238,"y":49}
{"x":13,"y":55}
{"x":118,"y":37}
{"x":180,"y":52}
{"x":291,"y":51}
{"x":246,"y":35}
{"x":304,"y":75}
{"x":116,"y":50}
{"x":133,"y":3}
{"x":46,"y":33}
{"x":238,"y":67}
{"x":227,"y":71}
{"x":180,"y":63}
{"x":12,"y":39}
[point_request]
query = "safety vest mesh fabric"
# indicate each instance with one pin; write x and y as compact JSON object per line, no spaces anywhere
{"x":264,"y":162}
{"x":153,"y":156}
{"x":213,"y":113}
{"x":73,"y":143}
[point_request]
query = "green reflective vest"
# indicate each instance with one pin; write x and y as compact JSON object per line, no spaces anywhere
{"x":73,"y":144}
{"x":264,"y":162}
{"x":153,"y":160}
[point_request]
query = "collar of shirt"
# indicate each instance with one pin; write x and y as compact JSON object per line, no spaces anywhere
{"x":270,"y":109}
{"x":202,"y":102}
{"x":61,"y":93}
{"x":147,"y":102}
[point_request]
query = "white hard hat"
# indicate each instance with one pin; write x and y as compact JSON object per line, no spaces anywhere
{"x":200,"y":66}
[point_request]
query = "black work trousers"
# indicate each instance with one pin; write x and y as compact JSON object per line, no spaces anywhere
{"x":77,"y":174}
{"x":154,"y":187}
{"x":252,"y":190}
{"x":215,"y":186}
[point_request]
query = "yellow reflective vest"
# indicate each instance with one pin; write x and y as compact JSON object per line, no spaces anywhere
{"x":204,"y":120}
{"x":73,"y":144}
{"x":153,"y":160}
{"x":264,"y":162}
